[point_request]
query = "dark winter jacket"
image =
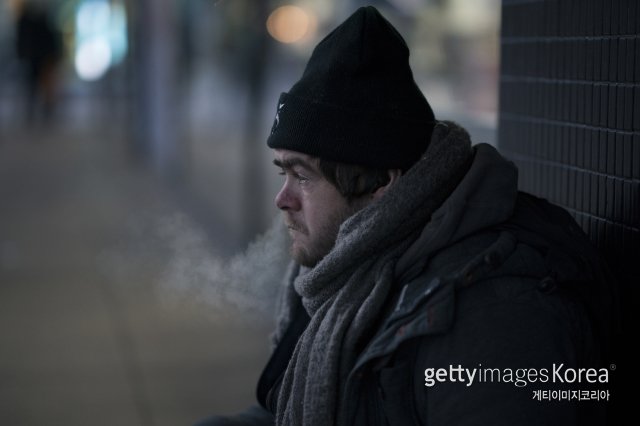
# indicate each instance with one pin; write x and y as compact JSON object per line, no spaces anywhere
{"x":498,"y":281}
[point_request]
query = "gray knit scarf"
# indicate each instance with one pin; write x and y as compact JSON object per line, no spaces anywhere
{"x":345,"y":292}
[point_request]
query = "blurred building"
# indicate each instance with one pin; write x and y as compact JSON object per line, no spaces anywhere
{"x":194,"y":82}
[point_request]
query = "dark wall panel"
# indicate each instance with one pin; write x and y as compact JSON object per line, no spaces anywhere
{"x":570,"y":113}
{"x":570,"y":118}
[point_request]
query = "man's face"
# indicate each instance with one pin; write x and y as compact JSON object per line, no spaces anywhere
{"x":313,"y":208}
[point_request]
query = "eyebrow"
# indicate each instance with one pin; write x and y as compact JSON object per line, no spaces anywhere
{"x":290,"y":163}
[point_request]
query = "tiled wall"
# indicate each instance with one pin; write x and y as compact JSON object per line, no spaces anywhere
{"x":570,"y":114}
{"x":570,"y":119}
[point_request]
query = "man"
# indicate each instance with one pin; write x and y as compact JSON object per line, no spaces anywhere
{"x":425,"y":289}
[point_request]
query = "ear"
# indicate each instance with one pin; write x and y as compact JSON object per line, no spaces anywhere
{"x":394,"y":175}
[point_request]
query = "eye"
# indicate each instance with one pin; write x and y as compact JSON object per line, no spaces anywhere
{"x":301,"y":179}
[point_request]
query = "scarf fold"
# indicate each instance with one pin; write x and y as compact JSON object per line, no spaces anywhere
{"x":345,"y":292}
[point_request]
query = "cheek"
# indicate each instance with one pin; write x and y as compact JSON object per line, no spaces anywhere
{"x":322,"y":205}
{"x":312,"y":213}
{"x":324,"y":216}
{"x":309,"y":213}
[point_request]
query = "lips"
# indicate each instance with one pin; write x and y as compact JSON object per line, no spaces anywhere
{"x":293,"y":226}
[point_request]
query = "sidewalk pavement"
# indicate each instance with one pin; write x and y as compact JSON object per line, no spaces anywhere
{"x":87,"y":337}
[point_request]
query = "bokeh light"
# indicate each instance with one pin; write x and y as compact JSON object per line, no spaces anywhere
{"x":289,"y":24}
{"x":101,"y":40}
{"x":93,"y":59}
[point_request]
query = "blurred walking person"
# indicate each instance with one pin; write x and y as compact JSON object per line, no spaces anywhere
{"x":39,"y":48}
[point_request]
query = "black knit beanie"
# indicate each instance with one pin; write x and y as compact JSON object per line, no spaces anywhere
{"x":356,"y":102}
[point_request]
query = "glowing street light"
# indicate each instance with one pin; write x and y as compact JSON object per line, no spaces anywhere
{"x":289,"y":24}
{"x":100,"y":37}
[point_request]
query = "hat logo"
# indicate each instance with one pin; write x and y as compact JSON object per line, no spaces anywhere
{"x":276,"y":121}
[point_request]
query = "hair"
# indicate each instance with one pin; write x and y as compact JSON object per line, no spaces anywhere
{"x":353,"y":181}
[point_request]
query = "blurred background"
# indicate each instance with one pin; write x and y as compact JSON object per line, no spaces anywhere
{"x":138,"y":261}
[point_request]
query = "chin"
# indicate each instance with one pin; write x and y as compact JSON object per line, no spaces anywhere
{"x":302,"y":256}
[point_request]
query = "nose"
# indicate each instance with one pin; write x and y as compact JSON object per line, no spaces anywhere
{"x":286,"y":199}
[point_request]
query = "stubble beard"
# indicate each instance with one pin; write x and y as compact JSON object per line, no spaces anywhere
{"x":318,"y":246}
